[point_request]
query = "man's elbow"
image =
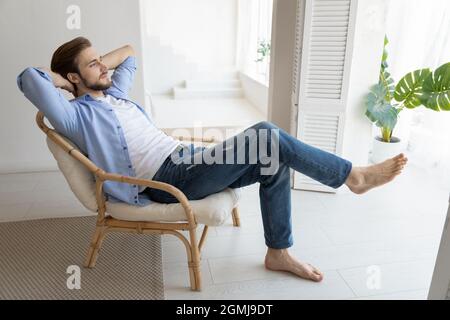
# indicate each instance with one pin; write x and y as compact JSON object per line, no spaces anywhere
{"x":130,"y":49}
{"x":31,"y":75}
{"x":24,"y":76}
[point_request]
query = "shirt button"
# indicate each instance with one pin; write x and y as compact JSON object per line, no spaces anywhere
{"x":135,"y":201}
{"x":110,"y":109}
{"x":118,"y":127}
{"x":129,"y":166}
{"x":124,"y":148}
{"x":135,"y":197}
{"x":134,"y":186}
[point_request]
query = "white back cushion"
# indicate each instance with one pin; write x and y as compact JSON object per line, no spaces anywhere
{"x":79,"y":178}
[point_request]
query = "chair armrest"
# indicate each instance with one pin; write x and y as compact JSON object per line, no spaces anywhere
{"x":196,"y":139}
{"x":177,"y":193}
{"x":192,"y":138}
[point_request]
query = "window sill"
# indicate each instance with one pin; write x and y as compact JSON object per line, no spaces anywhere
{"x":259,"y":78}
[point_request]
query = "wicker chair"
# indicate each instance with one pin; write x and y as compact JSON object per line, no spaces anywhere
{"x":86,"y":182}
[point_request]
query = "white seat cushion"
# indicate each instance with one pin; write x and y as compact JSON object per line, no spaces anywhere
{"x":212,"y":210}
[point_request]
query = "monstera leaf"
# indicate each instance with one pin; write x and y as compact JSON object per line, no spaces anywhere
{"x":384,"y":64}
{"x":385,"y":77}
{"x":409,"y":88}
{"x":388,"y":83}
{"x":436,"y":89}
{"x":380,"y":111}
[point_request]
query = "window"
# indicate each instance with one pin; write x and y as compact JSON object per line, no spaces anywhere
{"x":254,"y":38}
{"x":413,"y":46}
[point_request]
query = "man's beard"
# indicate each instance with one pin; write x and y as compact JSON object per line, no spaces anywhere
{"x":97,"y":86}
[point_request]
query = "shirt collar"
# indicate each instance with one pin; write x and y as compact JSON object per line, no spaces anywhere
{"x":88,"y":97}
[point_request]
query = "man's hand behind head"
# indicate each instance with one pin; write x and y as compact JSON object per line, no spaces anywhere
{"x":68,"y":87}
{"x":59,"y":81}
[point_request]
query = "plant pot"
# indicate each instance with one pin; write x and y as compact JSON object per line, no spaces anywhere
{"x":385,"y":150}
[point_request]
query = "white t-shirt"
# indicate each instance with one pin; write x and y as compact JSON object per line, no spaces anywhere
{"x":148,"y":146}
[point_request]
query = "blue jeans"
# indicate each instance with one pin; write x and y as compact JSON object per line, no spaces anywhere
{"x":198,"y":180}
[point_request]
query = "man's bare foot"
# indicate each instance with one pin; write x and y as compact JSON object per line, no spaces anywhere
{"x":281,"y":260}
{"x":362,"y":179}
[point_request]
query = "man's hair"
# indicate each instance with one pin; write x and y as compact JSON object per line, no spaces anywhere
{"x":64,"y":59}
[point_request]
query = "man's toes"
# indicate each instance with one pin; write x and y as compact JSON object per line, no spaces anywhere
{"x":315,"y":273}
{"x":315,"y":277}
{"x":399,"y":163}
{"x":404,"y":159}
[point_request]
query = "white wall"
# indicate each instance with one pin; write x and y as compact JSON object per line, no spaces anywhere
{"x":183,"y":36}
{"x":255,"y":92}
{"x":365,"y":70}
{"x":29,"y":32}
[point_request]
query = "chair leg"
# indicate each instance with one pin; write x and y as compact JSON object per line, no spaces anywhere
{"x":195,"y":275}
{"x":235,"y":216}
{"x":193,"y":258}
{"x":203,"y":238}
{"x":95,"y":246}
{"x":194,"y":262}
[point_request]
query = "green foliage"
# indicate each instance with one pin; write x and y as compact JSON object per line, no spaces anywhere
{"x":263,"y":50}
{"x":409,"y":88}
{"x":379,"y":110}
{"x":436,"y":89}
{"x":417,"y":88}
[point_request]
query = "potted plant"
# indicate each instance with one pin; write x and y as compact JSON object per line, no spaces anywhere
{"x":386,"y":100}
{"x":264,"y":53}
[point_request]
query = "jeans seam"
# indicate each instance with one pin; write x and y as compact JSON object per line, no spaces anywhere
{"x":270,"y":227}
{"x":333,"y":172}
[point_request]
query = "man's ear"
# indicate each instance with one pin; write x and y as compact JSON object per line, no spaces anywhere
{"x":74,"y":78}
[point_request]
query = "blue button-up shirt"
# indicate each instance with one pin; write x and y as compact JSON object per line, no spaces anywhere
{"x":91,"y":124}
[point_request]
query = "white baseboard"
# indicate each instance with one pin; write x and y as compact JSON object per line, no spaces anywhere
{"x":26,"y":167}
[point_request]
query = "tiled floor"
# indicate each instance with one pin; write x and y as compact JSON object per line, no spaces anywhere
{"x":381,"y":245}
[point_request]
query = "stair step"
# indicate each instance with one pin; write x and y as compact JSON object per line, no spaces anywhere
{"x":185,"y":93}
{"x":217,"y":75}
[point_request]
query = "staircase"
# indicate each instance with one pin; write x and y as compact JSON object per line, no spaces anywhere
{"x":165,"y":66}
{"x":211,"y":85}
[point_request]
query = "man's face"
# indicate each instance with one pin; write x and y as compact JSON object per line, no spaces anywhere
{"x":93,"y":73}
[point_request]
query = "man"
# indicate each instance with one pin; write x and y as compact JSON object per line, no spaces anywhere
{"x":119,"y":137}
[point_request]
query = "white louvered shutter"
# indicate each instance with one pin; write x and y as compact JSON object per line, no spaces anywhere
{"x":321,"y":76}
